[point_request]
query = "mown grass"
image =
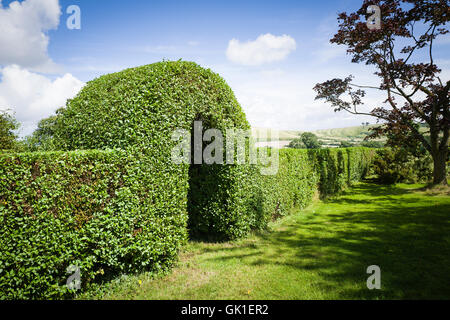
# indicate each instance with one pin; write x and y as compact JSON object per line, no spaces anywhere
{"x":321,"y":252}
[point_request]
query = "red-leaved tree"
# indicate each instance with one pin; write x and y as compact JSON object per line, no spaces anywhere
{"x":402,"y":52}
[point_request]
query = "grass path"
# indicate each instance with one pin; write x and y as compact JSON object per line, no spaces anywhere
{"x":321,"y":252}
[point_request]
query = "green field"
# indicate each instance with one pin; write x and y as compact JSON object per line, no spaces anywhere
{"x":321,"y":252}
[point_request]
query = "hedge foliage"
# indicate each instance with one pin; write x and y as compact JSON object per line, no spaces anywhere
{"x":393,"y":165}
{"x":122,"y":205}
{"x":100,"y":211}
{"x":303,"y":173}
{"x":89,"y":209}
{"x":140,"y":108}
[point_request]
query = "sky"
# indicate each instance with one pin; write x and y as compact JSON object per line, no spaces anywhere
{"x":271,"y":53}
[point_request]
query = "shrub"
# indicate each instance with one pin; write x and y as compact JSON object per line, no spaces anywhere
{"x":297,"y":143}
{"x":337,"y":168}
{"x":8,"y":137}
{"x":292,"y":187}
{"x":301,"y":174}
{"x":88,"y":209}
{"x":310,"y":140}
{"x":372,"y":144}
{"x":346,"y":144}
{"x":393,"y":165}
{"x":95,"y":209}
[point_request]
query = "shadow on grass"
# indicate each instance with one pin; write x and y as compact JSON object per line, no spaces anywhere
{"x":407,"y":235}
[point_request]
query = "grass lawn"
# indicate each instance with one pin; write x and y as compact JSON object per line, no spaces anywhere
{"x":321,"y":252}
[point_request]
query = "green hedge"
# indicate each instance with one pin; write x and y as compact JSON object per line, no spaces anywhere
{"x":337,"y":168}
{"x":141,"y":108}
{"x":303,"y":173}
{"x":106,"y":213}
{"x":91,"y":209}
{"x":127,"y":210}
{"x":393,"y":165}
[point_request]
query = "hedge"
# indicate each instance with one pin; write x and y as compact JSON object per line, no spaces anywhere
{"x":90,"y":209}
{"x":130,"y":209}
{"x":140,"y":108}
{"x":100,"y":210}
{"x":302,"y":174}
{"x":337,"y":168}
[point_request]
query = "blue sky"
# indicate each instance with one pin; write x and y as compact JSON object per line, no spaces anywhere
{"x":118,"y":34}
{"x":274,"y":91}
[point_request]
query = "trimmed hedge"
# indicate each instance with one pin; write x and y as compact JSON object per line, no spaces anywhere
{"x":340,"y":167}
{"x":303,"y":173}
{"x":141,"y":108}
{"x":129,"y":209}
{"x":101,"y":211}
{"x":89,"y":209}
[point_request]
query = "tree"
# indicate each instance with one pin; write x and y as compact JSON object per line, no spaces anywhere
{"x":346,"y":144}
{"x":42,"y":138}
{"x":297,"y":144}
{"x":8,"y":125}
{"x":402,"y":53}
{"x":372,"y":144}
{"x":310,"y":140}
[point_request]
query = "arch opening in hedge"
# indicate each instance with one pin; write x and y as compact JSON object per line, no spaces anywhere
{"x":138,"y":110}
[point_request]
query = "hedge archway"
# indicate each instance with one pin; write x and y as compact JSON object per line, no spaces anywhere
{"x":138,"y":109}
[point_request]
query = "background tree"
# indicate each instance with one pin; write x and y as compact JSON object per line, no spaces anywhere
{"x":346,"y":144}
{"x":402,"y":53}
{"x":372,"y":144}
{"x":297,"y":144}
{"x":42,"y":138}
{"x":8,"y":124}
{"x":310,"y":140}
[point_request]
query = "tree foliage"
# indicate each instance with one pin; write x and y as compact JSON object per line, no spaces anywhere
{"x":394,"y":164}
{"x":415,"y":92}
{"x":310,"y":140}
{"x":8,"y":124}
{"x":42,"y":138}
{"x":297,"y":143}
{"x":372,"y":144}
{"x":346,"y":144}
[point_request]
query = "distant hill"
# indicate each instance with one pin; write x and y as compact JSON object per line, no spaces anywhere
{"x":283,"y":134}
{"x":348,"y":133}
{"x":330,"y":137}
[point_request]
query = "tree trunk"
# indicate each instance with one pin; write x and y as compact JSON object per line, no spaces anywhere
{"x":440,"y":167}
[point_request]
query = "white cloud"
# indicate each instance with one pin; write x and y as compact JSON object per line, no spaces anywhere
{"x":32,"y":96}
{"x":283,"y":98}
{"x":23,"y":39}
{"x":266,"y":48}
